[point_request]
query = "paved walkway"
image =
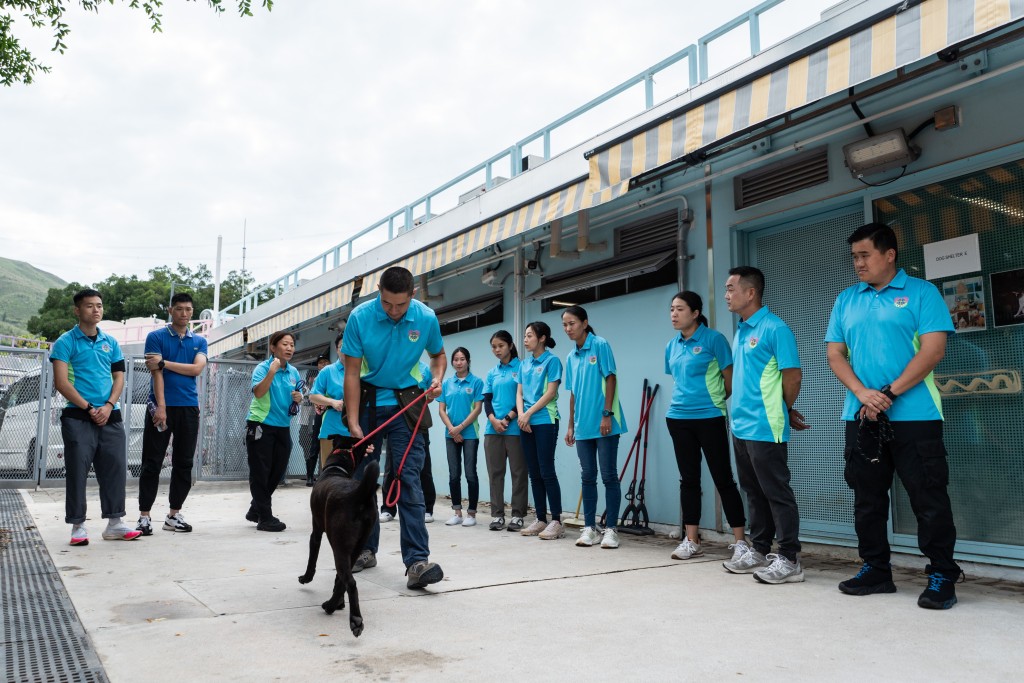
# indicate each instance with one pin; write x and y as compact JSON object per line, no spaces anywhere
{"x":224,"y":603}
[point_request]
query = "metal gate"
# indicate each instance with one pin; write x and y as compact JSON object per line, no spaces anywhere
{"x":30,"y":440}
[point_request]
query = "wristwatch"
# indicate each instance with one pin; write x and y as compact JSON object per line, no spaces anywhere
{"x":160,"y":365}
{"x":887,"y":390}
{"x":606,"y":413}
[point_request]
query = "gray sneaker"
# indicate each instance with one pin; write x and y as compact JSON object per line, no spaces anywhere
{"x":423,"y":573}
{"x":738,"y":549}
{"x":686,"y":550}
{"x":781,"y":570}
{"x":365,"y":560}
{"x":747,"y":563}
{"x":553,"y":530}
{"x":534,"y":529}
{"x":516,"y":524}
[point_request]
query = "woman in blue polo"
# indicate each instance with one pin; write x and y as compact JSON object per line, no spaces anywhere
{"x":595,"y":422}
{"x":537,"y":404}
{"x":501,"y":434}
{"x":268,"y":438}
{"x":329,"y":392}
{"x":459,"y":406}
{"x":700,"y":362}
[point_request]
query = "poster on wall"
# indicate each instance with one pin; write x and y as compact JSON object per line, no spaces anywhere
{"x":965,"y":299}
{"x":1008,"y":297}
{"x":952,"y":257}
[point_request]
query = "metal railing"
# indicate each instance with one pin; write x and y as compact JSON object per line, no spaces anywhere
{"x":385,"y":229}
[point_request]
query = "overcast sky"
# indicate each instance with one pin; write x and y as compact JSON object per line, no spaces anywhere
{"x":308,"y":123}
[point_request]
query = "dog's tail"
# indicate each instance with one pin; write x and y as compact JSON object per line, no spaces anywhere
{"x":368,"y":484}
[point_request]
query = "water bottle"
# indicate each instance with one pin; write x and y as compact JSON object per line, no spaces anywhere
{"x":293,"y":409}
{"x":152,"y":411}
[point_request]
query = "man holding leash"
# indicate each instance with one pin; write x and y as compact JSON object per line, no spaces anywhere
{"x":384,"y":340}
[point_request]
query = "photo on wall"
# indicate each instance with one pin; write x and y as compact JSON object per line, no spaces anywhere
{"x":965,"y":300}
{"x":1007,"y":297}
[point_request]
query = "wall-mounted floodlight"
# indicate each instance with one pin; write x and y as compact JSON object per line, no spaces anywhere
{"x":879,"y":153}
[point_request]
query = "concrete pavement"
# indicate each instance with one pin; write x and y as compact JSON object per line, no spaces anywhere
{"x":224,"y":603}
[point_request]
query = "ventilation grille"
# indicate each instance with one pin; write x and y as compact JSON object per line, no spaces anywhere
{"x":651,"y":235}
{"x":805,"y":170}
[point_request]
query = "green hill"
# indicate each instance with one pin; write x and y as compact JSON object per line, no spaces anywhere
{"x":22,"y":290}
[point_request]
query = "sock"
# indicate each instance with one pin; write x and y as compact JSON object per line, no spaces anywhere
{"x":113,"y":521}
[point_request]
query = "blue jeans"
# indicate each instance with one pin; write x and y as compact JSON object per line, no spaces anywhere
{"x":468,"y":450}
{"x":539,"y":452}
{"x":605,"y":450}
{"x":414,"y":540}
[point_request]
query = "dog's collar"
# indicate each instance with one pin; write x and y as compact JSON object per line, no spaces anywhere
{"x":339,"y":468}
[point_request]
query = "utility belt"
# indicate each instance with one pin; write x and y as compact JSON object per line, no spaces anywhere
{"x":368,"y":403}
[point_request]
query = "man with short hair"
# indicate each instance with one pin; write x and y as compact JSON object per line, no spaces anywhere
{"x":885,"y":336}
{"x":384,"y":340}
{"x":175,"y":357}
{"x":765,"y":384}
{"x":88,"y":370}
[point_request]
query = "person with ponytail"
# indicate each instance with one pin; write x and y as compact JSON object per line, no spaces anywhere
{"x":595,"y":422}
{"x":537,"y":406}
{"x":459,"y":406}
{"x":700,"y":361}
{"x":501,"y":434}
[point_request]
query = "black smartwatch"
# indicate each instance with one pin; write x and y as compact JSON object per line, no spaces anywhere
{"x":607,"y":413}
{"x":160,"y":365}
{"x":887,"y":391}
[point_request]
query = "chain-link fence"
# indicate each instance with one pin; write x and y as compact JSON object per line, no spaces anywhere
{"x":29,"y":426}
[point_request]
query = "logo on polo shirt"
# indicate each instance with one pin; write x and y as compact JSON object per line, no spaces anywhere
{"x":539,"y":369}
{"x":515,"y":375}
{"x":105,"y":347}
{"x":900,"y":301}
{"x":593,"y":360}
{"x":414,"y":335}
{"x":697,"y":350}
{"x":469,"y":390}
{"x":753,"y":342}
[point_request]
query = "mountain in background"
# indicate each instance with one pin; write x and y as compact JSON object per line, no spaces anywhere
{"x":23,"y":289}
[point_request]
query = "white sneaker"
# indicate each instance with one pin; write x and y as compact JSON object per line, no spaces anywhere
{"x":176,"y":523}
{"x":79,"y":535}
{"x":748,"y":562}
{"x":588,"y":538}
{"x":686,"y":550}
{"x":456,"y":520}
{"x":387,"y":517}
{"x":470,"y":521}
{"x":738,"y":549}
{"x":610,"y":540}
{"x":117,"y":530}
{"x":781,"y":570}
{"x":428,"y":518}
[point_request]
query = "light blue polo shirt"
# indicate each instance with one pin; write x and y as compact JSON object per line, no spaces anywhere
{"x":586,"y":375}
{"x":272,"y":409}
{"x":179,"y":390}
{"x":696,"y":366}
{"x":535,"y":374}
{"x":458,"y":394}
{"x":764,"y":346}
{"x":391,"y":350}
{"x":502,"y":382}
{"x":882,"y":331}
{"x":88,"y":363}
{"x":331,"y":383}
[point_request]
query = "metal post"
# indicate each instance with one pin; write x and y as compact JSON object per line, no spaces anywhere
{"x":216,"y":283}
{"x":42,"y":447}
{"x":755,"y":34}
{"x":649,"y":91}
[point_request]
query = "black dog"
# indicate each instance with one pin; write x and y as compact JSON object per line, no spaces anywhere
{"x":346,"y":510}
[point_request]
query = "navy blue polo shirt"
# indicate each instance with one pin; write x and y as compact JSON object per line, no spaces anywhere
{"x":179,"y":390}
{"x":502,"y":382}
{"x":696,"y":365}
{"x":390,"y":349}
{"x":882,"y":330}
{"x":586,"y":374}
{"x":764,"y":346}
{"x":459,"y":394}
{"x":89,"y":363}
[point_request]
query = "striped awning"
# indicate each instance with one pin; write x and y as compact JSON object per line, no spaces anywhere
{"x":892,"y":42}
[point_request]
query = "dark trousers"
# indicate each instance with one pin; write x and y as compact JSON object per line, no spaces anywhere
{"x":539,"y":453}
{"x":269,"y":449}
{"x":312,"y":455}
{"x":466,"y":451}
{"x":103,"y":448}
{"x":426,"y":477}
{"x":601,"y":452}
{"x":183,"y":425}
{"x":764,"y":475}
{"x":918,"y":456}
{"x":689,"y":438}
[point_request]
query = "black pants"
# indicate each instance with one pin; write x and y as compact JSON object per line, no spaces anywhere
{"x":183,"y":425}
{"x":312,"y":455}
{"x":918,"y":456}
{"x":689,"y":437}
{"x":426,"y":477}
{"x":269,"y":449}
{"x":764,"y":475}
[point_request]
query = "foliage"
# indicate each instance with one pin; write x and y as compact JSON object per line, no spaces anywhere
{"x":18,"y":65}
{"x":22,"y":289}
{"x":128,"y":296}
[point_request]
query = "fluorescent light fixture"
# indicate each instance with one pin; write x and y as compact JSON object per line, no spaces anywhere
{"x":564,"y":304}
{"x":879,"y":153}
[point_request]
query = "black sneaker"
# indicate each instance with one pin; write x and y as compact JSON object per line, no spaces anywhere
{"x":869,"y":580}
{"x":176,"y":523}
{"x":421,"y":574}
{"x":251,"y":515}
{"x":310,"y":481}
{"x":498,"y":524}
{"x":271,"y":524}
{"x":365,"y":560}
{"x":145,"y":525}
{"x":941,"y":590}
{"x":516,"y":524}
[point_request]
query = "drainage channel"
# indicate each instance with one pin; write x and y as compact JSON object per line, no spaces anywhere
{"x":42,"y":639}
